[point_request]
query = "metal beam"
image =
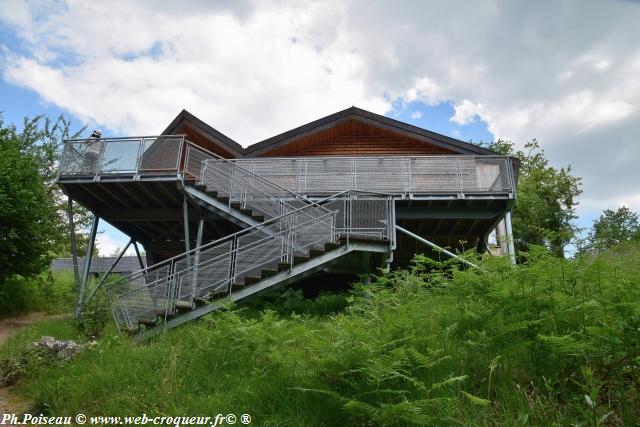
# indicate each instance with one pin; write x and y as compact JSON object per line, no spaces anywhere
{"x":117,"y":260}
{"x":87,"y":264}
{"x":448,"y":212}
{"x":72,"y":237}
{"x":434,"y":246}
{"x":135,"y":246}
{"x":143,"y":214}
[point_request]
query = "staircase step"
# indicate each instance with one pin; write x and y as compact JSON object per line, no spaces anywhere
{"x":238,"y":286}
{"x":331,"y":246}
{"x":300,"y":259}
{"x":259,"y":218}
{"x":217,"y":295}
{"x":148,"y":322}
{"x":212,"y":193}
{"x":224,"y":199}
{"x":200,"y":187}
{"x":236,"y":205}
{"x":282,"y":266}
{"x":250,"y":280}
{"x":316,"y":252}
{"x":268,"y":273}
{"x":183,"y":305}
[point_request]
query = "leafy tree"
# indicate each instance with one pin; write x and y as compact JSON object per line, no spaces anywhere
{"x":546,"y":202}
{"x":33,"y":221}
{"x":610,"y":229}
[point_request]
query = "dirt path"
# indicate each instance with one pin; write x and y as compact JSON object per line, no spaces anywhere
{"x":11,"y":325}
{"x":10,"y":403}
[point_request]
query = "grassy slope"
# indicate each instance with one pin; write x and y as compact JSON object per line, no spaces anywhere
{"x":509,"y":346}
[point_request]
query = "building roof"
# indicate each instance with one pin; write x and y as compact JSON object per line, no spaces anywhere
{"x":185,"y":117}
{"x":352,"y":113}
{"x":127,"y":264}
{"x":374,"y":119}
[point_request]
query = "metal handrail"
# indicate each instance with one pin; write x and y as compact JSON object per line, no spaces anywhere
{"x":234,"y":256}
{"x":218,"y":241}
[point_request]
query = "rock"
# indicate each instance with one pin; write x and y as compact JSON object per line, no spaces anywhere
{"x":63,"y":350}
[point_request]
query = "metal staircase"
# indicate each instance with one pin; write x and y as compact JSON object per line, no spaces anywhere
{"x":287,"y":237}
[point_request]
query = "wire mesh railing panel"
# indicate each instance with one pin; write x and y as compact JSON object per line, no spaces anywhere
{"x":118,"y":155}
{"x":493,"y":174}
{"x":94,"y":157}
{"x":321,"y":176}
{"x":395,"y":175}
{"x":367,"y":218}
{"x":252,"y":256}
{"x":194,"y":161}
{"x":379,"y":174}
{"x":160,"y":154}
{"x":434,"y":175}
{"x":81,"y":157}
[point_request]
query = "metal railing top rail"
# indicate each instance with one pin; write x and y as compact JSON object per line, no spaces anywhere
{"x":193,"y":251}
{"x":177,"y":135}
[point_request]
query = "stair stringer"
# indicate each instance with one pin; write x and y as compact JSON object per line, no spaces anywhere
{"x":222,"y":209}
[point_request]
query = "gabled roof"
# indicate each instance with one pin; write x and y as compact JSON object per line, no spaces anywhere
{"x":352,"y":113}
{"x":368,"y":117}
{"x":195,"y":123}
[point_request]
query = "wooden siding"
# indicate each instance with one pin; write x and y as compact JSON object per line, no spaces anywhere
{"x":353,"y":137}
{"x":207,"y":143}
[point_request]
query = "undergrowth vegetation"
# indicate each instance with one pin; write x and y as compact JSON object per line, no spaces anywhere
{"x":549,"y":342}
{"x":52,"y":292}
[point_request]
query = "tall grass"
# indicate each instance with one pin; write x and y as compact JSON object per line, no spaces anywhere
{"x":550,"y":342}
{"x":51,"y":292}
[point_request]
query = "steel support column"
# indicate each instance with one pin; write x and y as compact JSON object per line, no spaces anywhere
{"x":72,"y":237}
{"x":196,"y":260}
{"x":510,"y":245}
{"x":87,"y":264}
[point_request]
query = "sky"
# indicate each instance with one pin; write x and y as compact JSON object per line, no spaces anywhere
{"x":564,"y":72}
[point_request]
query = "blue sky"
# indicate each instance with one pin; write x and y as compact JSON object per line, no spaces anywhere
{"x":564,"y":73}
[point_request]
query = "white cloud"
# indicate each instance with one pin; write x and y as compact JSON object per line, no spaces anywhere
{"x":110,"y":244}
{"x":564,"y":73}
{"x":416,"y":115}
{"x":466,"y":112}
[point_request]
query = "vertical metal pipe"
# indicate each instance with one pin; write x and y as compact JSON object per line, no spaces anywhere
{"x":87,"y":264}
{"x":185,"y":214}
{"x":196,"y":261}
{"x":72,"y":237}
{"x":510,"y":245}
